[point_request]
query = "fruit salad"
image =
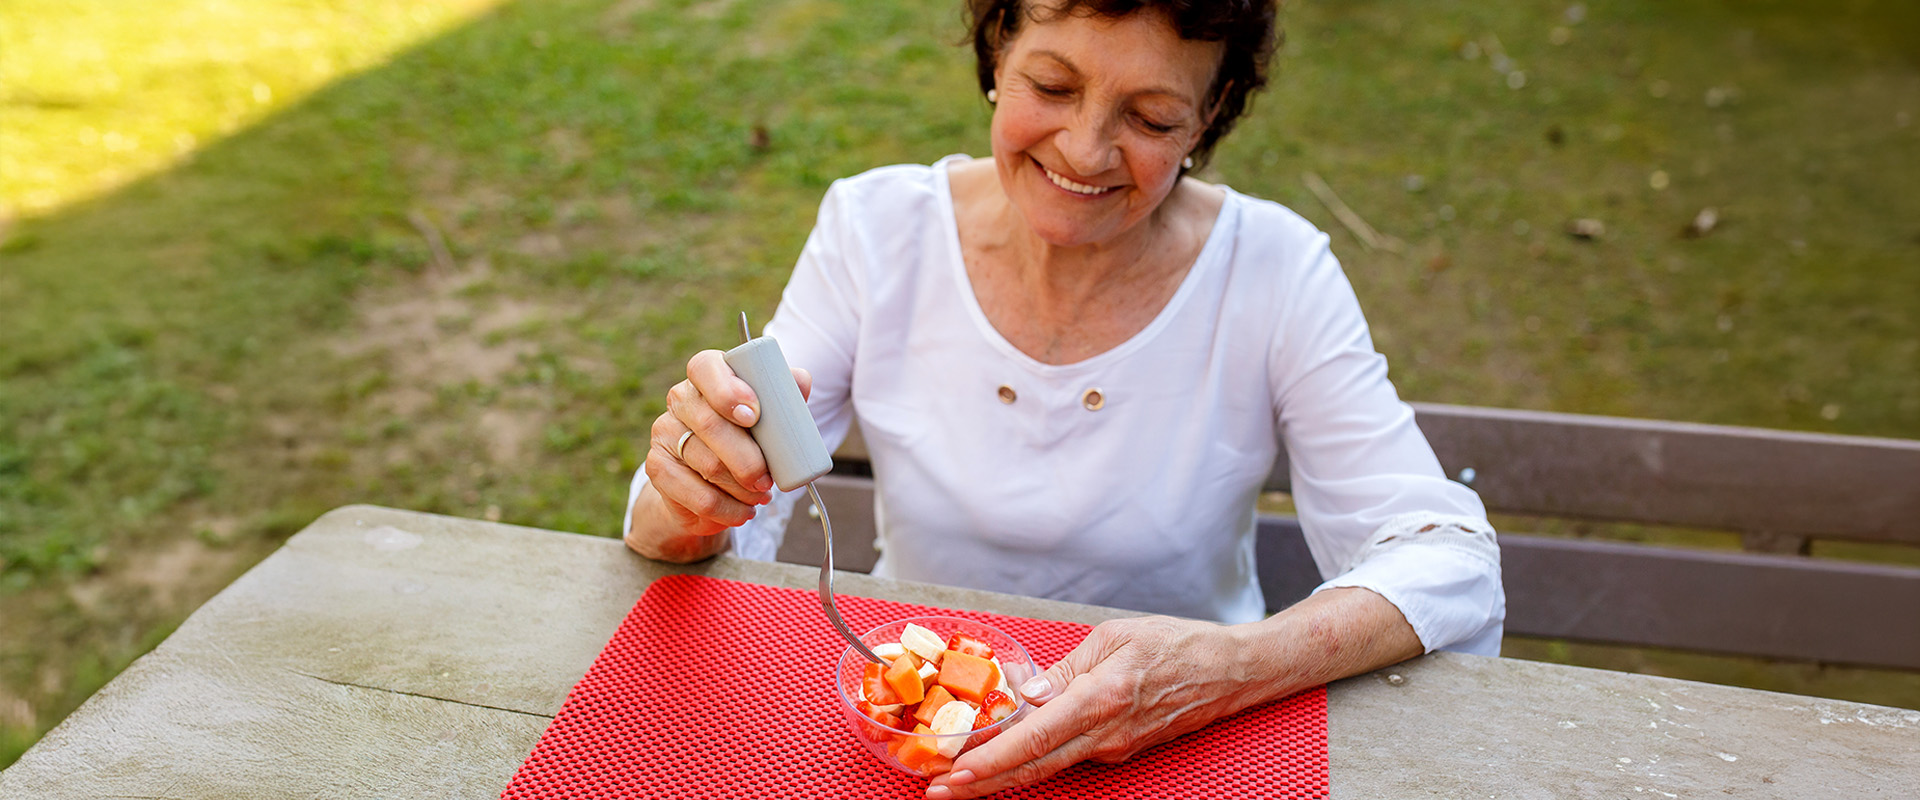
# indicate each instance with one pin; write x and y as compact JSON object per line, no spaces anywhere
{"x":932,"y":691}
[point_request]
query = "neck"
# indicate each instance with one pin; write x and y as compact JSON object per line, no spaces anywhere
{"x":1064,"y":276}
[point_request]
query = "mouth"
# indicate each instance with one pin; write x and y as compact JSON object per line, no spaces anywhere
{"x":1075,"y":187}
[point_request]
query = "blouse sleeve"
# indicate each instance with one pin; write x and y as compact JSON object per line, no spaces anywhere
{"x":1376,"y":508}
{"x":817,"y":326}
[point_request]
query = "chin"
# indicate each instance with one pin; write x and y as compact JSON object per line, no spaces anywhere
{"x":1058,"y":223}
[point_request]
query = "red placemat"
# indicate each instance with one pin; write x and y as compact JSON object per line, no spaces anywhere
{"x":721,"y":689}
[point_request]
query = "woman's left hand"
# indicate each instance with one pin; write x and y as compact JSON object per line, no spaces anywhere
{"x":1130,"y":685}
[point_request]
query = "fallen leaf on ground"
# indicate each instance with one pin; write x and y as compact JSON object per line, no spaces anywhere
{"x":1586,"y":229}
{"x":1702,"y":224}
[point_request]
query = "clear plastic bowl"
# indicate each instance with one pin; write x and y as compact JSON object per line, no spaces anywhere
{"x":883,"y":741}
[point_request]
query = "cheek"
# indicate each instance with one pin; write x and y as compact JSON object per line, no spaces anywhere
{"x":1014,"y":130}
{"x":1157,"y":169}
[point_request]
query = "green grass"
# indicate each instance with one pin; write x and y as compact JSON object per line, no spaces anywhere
{"x":207,"y":343}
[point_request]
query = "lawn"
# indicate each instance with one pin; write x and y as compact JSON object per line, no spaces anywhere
{"x":258,"y":260}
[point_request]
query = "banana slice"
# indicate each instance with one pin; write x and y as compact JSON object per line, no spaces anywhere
{"x":924,"y":643}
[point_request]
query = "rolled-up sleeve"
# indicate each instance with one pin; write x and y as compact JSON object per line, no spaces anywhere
{"x":1377,"y":510}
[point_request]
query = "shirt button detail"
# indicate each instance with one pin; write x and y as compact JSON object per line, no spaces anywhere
{"x":1093,"y":400}
{"x":1007,"y":396}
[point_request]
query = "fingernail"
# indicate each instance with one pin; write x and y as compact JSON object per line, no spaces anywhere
{"x":1036,"y":687}
{"x":764,"y":484}
{"x":743,"y":414}
{"x":938,"y":793}
{"x":961,"y":778}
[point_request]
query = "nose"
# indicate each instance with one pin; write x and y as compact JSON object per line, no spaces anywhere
{"x":1087,"y":145}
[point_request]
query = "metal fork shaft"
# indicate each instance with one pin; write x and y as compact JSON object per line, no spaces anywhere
{"x":826,"y":582}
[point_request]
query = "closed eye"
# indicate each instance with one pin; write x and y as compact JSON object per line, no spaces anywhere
{"x":1051,"y":90}
{"x":1155,"y":126}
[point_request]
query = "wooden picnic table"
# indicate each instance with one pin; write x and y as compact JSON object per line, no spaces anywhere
{"x":393,"y":654}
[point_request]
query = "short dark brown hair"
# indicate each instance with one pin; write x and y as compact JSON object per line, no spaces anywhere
{"x":1248,"y":29}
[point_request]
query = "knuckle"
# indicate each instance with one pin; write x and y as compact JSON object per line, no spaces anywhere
{"x":659,"y":466}
{"x":1117,"y":630}
{"x":705,"y":504}
{"x":662,"y":429}
{"x":713,"y":472}
{"x":705,"y":423}
{"x":1030,"y":772}
{"x":1032,"y":748}
{"x":705,"y":361}
{"x":682,"y":393}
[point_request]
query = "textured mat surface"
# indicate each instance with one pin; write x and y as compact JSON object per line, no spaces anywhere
{"x":720,"y":689}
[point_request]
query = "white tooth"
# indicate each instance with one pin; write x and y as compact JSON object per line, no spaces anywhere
{"x":1078,"y":188}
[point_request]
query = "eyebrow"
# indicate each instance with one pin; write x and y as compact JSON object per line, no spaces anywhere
{"x":1068,"y":63}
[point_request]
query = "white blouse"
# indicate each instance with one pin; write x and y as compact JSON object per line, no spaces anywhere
{"x":1144,"y":497}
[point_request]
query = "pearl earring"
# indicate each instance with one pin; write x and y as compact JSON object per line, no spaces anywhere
{"x":993,"y":95}
{"x":1187,"y":163}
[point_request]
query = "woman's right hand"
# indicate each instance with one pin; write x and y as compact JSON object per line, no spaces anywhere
{"x":710,"y":481}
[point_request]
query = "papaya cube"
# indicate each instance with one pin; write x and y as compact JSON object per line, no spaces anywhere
{"x":922,"y":754}
{"x":936,"y":697}
{"x":904,"y":678}
{"x":968,"y":677}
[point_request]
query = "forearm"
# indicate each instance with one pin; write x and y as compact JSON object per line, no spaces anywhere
{"x":1331,"y":635}
{"x":652,"y":533}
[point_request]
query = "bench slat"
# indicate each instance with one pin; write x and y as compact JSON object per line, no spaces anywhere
{"x":1781,"y":484}
{"x":1671,"y":473}
{"x":1758,"y":605}
{"x":1805,"y":609}
{"x":1750,"y":480}
{"x":1790,"y":607}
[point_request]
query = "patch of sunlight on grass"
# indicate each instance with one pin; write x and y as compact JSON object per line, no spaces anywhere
{"x":94,"y":94}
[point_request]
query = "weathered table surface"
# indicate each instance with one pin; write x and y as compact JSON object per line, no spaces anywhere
{"x":392,"y":654}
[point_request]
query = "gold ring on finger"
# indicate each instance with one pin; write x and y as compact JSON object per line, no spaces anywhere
{"x":680,"y":446}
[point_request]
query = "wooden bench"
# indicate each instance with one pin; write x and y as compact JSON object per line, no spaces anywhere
{"x":1780,"y":491}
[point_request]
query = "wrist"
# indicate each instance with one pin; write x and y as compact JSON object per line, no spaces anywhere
{"x":1331,"y":635}
{"x":1265,"y":657}
{"x":652,"y":533}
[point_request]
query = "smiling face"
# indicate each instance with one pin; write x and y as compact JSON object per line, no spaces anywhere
{"x":1093,"y":119}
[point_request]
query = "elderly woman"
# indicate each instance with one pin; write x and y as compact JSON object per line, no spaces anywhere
{"x":1073,"y":365}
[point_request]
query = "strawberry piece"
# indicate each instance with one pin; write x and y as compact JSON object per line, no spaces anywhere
{"x":994,"y":707}
{"x":874,"y":686}
{"x":980,"y":737}
{"x":878,"y":733}
{"x":997,"y":705}
{"x":962,"y":643}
